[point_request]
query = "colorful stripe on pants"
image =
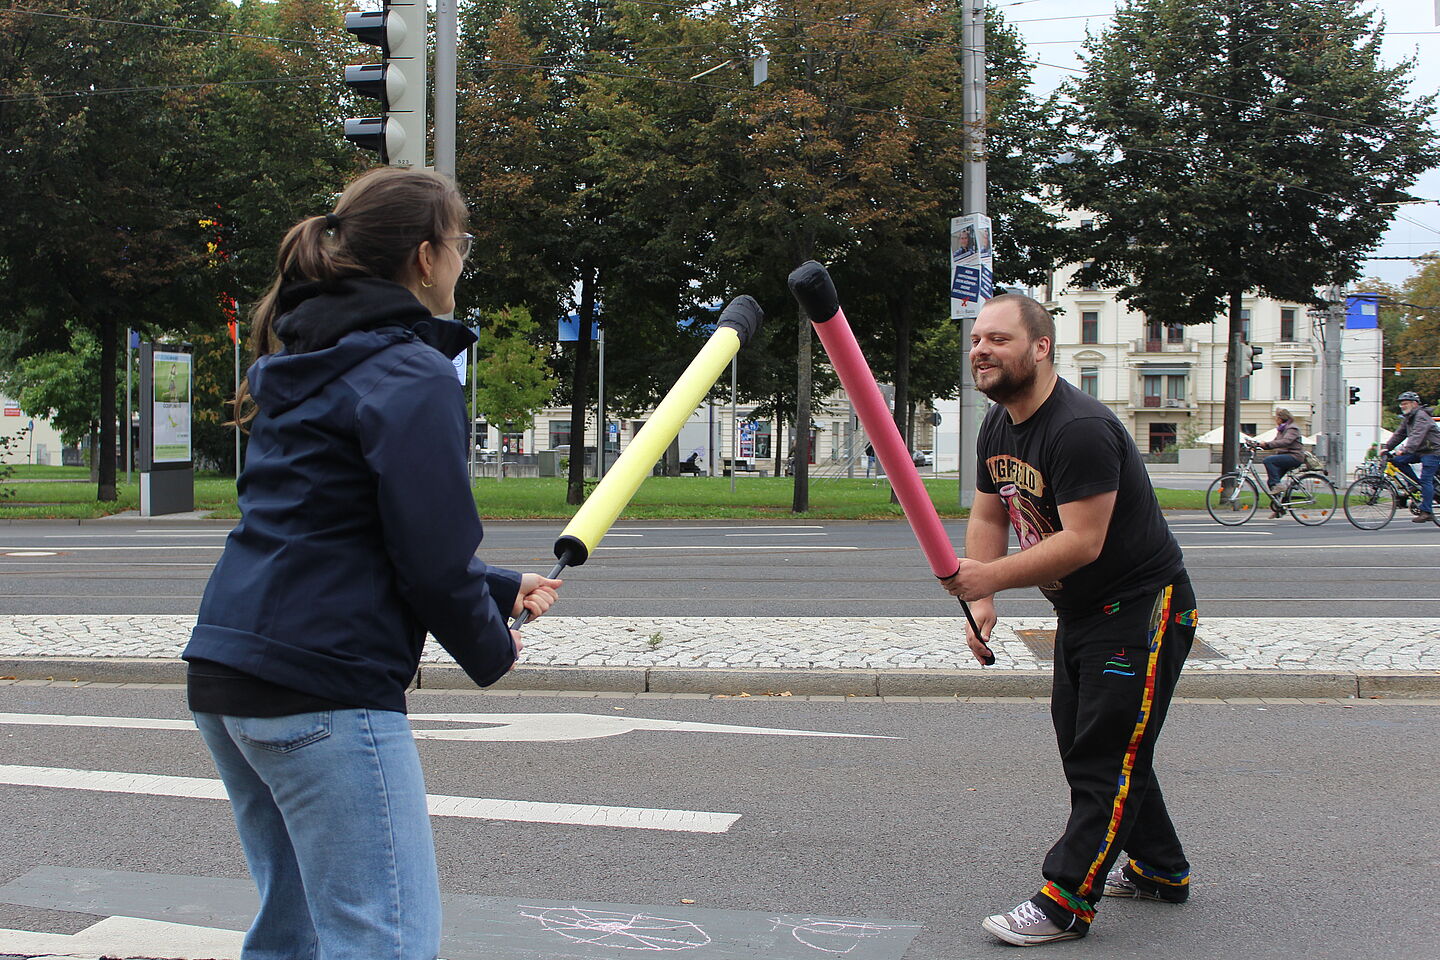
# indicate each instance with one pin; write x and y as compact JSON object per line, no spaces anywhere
{"x":1159,"y":620}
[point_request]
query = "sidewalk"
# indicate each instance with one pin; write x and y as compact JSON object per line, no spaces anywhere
{"x":810,"y":656}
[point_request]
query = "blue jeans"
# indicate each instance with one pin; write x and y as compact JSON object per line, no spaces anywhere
{"x":335,"y":826}
{"x":1429,"y":463}
{"x":1280,"y":463}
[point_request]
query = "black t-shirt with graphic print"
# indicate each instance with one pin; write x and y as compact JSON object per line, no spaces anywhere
{"x":1074,"y":447}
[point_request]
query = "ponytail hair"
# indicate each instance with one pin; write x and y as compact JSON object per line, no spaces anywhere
{"x":377,"y":226}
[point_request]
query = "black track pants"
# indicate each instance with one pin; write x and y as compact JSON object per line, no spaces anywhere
{"x":1115,"y":672}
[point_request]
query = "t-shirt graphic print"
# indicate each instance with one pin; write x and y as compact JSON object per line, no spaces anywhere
{"x":1071,"y":448}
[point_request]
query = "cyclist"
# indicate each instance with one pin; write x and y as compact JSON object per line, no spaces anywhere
{"x":1418,"y":441}
{"x":1289,"y":452}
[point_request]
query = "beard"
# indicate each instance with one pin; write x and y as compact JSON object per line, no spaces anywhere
{"x":1009,"y":381}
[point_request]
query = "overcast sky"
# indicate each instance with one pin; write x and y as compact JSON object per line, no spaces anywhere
{"x":1054,"y":29}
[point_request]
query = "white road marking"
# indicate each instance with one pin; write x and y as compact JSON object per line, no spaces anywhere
{"x":519,"y":727}
{"x":133,"y":535}
{"x":777,"y":534}
{"x":726,"y":547}
{"x":33,"y":553}
{"x":1310,"y":546}
{"x":471,"y":808}
{"x":511,"y":727}
{"x":128,"y":937}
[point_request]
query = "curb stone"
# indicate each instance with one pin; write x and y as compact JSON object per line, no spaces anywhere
{"x":1229,"y":684}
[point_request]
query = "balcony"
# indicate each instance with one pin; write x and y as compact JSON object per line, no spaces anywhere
{"x":1150,"y":402}
{"x":1146,"y":345}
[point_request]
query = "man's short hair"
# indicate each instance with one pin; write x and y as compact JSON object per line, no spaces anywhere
{"x":1033,"y":316}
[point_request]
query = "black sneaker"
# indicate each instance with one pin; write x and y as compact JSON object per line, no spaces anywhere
{"x":1119,"y":883}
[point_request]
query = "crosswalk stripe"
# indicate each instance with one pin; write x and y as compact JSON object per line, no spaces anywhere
{"x":473,"y":808}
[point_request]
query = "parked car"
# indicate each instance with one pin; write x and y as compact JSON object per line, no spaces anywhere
{"x":923,"y":458}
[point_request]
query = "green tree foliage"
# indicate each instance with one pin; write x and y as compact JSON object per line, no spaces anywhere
{"x":512,"y":377}
{"x":1234,"y":146}
{"x":1410,"y":322}
{"x":130,"y":126}
{"x":61,"y":386}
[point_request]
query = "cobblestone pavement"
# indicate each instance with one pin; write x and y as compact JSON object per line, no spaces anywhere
{"x":806,"y":643}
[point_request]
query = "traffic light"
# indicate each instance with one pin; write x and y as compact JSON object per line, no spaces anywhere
{"x":1354,"y":395}
{"x":1246,"y":355}
{"x":398,"y":81}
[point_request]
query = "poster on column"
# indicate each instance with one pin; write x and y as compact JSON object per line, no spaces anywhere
{"x":172,"y":381}
{"x":972,"y":265}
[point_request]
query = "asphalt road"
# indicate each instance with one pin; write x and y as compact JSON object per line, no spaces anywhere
{"x":1267,"y":568}
{"x":1312,"y":828}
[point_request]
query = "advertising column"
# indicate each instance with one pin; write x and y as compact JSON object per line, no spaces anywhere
{"x":167,"y":468}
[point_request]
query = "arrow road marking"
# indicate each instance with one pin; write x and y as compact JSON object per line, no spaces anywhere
{"x":472,"y":808}
{"x":512,"y":727}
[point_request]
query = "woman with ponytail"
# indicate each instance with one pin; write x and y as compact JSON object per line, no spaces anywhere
{"x":358,"y":536}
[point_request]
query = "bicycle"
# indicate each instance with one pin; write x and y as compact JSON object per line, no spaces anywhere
{"x":1371,"y":501}
{"x":1234,"y":497}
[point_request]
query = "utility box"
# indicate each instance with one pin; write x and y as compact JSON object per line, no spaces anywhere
{"x":548,"y":462}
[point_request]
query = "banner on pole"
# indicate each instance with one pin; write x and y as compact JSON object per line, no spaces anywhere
{"x":972,"y":265}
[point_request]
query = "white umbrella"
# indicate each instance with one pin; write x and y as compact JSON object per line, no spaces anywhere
{"x":1218,"y":436}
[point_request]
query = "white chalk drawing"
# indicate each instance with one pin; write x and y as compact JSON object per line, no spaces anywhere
{"x":835,"y":936}
{"x":619,"y":931}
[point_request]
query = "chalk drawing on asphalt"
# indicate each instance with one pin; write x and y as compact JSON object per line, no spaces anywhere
{"x":622,"y":931}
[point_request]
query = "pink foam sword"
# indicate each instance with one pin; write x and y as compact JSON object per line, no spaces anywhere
{"x":813,"y":289}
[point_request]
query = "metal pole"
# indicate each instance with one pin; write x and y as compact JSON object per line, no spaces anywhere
{"x":473,"y":353}
{"x":446,"y":39}
{"x":973,"y":181}
{"x":600,"y":447}
{"x":734,"y":423}
{"x":236,"y":345}
{"x":1335,"y":402}
{"x":129,"y":444}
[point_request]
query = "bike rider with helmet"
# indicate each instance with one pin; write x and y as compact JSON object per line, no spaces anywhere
{"x":1416,"y":440}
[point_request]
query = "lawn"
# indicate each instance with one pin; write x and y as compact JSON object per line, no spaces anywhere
{"x":67,"y":492}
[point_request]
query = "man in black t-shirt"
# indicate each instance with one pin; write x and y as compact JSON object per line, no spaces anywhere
{"x":1057,"y":467}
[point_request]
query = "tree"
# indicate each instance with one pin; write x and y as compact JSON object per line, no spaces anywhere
{"x":1234,"y":146}
{"x":512,"y":378}
{"x":130,"y":123}
{"x":1410,"y":320}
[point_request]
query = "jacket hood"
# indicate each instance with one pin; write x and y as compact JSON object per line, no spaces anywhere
{"x":328,"y":328}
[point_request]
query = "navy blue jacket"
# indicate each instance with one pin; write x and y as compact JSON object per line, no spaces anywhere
{"x":358,"y":530}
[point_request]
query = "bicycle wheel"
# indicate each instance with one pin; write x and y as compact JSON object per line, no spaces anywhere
{"x":1370,"y":503}
{"x":1312,"y":499}
{"x":1231,"y":499}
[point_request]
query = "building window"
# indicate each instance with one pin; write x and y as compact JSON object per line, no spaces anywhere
{"x":1287,"y":324}
{"x":1153,"y":386}
{"x":1152,"y":336}
{"x":559,"y":433}
{"x":1174,"y":333}
{"x":1090,"y":326}
{"x":1245,"y":325}
{"x":1175,"y":388}
{"x":1090,"y":381}
{"x":1287,"y":384}
{"x":1248,"y":429}
{"x":1162,"y":435}
{"x":512,"y":441}
{"x":1085,"y":266}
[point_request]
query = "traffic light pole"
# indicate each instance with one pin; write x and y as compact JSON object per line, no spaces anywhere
{"x":1335,"y":402}
{"x":973,"y":182}
{"x":446,"y":41}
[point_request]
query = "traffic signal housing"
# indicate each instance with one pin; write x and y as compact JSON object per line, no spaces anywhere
{"x":1252,"y":352}
{"x":399,"y":29}
{"x":1354,"y":395}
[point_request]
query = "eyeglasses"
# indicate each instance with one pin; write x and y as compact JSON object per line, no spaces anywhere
{"x":463,"y":243}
